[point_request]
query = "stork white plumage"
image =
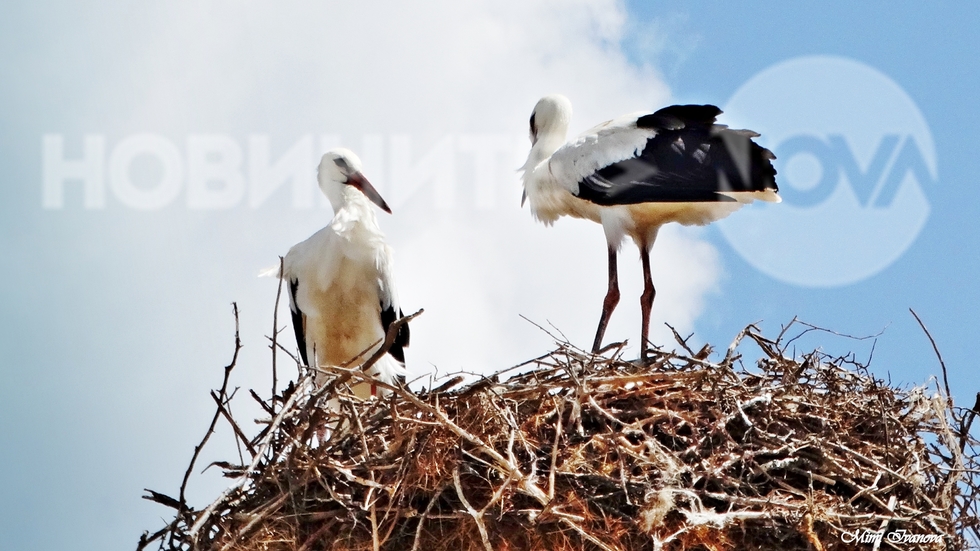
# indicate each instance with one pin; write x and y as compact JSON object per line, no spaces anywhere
{"x":638,"y":172}
{"x":341,"y":289}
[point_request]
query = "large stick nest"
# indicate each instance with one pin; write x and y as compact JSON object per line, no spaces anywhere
{"x":577,"y":451}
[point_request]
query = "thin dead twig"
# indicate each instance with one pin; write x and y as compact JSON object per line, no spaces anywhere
{"x":222,"y":393}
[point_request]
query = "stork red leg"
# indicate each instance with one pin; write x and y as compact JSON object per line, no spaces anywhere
{"x":646,"y":300}
{"x":609,"y":303}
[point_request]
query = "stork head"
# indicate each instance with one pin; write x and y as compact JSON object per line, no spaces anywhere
{"x":550,"y":119}
{"x":549,"y":125}
{"x":340,"y":168}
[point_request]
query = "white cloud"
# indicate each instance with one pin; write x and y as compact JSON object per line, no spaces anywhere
{"x":156,"y":284}
{"x":442,"y":68}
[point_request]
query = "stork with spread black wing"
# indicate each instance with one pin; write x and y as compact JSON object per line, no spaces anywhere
{"x":638,"y":172}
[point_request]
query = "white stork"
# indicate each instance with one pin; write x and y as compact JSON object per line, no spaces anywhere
{"x":341,"y":291}
{"x":638,"y":172}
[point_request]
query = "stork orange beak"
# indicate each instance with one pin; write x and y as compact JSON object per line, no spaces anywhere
{"x":360,"y":182}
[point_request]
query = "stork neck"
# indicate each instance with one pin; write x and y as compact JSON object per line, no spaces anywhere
{"x":336,"y":194}
{"x":542,"y":149}
{"x":355,"y":201}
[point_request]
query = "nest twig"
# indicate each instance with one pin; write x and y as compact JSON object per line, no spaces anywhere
{"x":577,"y":451}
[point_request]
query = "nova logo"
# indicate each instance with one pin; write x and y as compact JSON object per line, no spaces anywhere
{"x":872,"y":186}
{"x":855,"y":160}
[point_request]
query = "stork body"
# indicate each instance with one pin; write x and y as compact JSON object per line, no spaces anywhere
{"x":638,"y":172}
{"x":341,"y":290}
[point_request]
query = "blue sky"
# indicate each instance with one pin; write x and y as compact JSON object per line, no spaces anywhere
{"x":117,"y":321}
{"x":928,"y":52}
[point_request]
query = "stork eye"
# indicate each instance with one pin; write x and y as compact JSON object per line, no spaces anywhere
{"x":342,"y":165}
{"x":533,"y":129}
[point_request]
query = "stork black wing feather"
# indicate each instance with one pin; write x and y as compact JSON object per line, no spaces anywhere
{"x":678,"y":116}
{"x":690,"y":159}
{"x":388,"y":317}
{"x":297,"y":321}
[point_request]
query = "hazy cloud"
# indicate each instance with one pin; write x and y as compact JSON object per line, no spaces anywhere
{"x":142,"y":296}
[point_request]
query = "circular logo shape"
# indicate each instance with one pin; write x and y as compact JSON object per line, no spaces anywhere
{"x":854,"y":155}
